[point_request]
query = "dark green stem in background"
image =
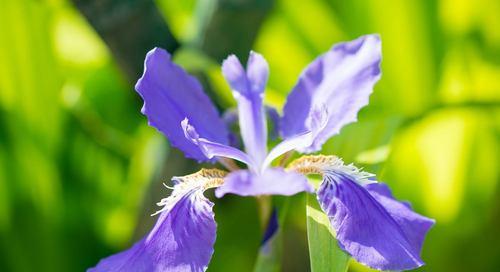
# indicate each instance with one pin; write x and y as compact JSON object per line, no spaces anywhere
{"x":130,"y":28}
{"x":230,"y":26}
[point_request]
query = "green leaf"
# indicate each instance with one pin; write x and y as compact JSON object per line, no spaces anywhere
{"x":324,"y":251}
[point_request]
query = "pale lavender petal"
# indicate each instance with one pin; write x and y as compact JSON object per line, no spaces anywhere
{"x":248,"y":90}
{"x":170,"y":95}
{"x":257,"y":72}
{"x":230,"y":118}
{"x":374,"y":228}
{"x":211,"y":149}
{"x":273,"y":181}
{"x":318,"y":119}
{"x":181,"y":241}
{"x":342,"y":79}
{"x":296,"y":142}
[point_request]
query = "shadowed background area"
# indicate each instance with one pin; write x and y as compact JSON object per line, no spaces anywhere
{"x":81,"y":171}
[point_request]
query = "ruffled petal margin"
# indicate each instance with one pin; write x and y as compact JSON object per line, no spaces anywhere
{"x":170,"y":95}
{"x":373,"y":227}
{"x":182,"y":239}
{"x":342,"y":79}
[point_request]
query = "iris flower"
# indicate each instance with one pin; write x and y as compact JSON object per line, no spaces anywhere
{"x":370,"y":225}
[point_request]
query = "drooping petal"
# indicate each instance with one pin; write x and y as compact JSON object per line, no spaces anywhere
{"x":375,"y":229}
{"x":342,"y":79}
{"x":211,"y":149}
{"x":182,"y":240}
{"x":170,"y":95}
{"x":248,"y":90}
{"x":183,"y":237}
{"x":414,"y":225}
{"x":273,"y":181}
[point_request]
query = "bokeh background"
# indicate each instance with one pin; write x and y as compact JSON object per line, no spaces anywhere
{"x":81,"y":171}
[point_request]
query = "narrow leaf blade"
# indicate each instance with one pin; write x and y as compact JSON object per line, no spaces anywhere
{"x":324,"y":252}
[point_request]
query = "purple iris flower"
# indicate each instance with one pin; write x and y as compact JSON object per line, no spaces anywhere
{"x":370,"y":225}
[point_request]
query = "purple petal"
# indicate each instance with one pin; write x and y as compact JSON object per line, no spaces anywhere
{"x":273,"y":181}
{"x":375,"y":229}
{"x":170,"y":95}
{"x":414,"y":225}
{"x":248,"y":90}
{"x":342,"y":79}
{"x":182,"y":240}
{"x":272,"y":227}
{"x":211,"y":149}
{"x":273,"y":116}
{"x":230,"y":118}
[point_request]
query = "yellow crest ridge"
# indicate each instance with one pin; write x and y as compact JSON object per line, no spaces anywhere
{"x":313,"y":164}
{"x":205,"y":178}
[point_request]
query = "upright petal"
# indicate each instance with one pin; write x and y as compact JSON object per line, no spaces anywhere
{"x":273,"y":117}
{"x":170,"y":95}
{"x":182,"y":239}
{"x":231,"y":117}
{"x":342,"y":79}
{"x":374,"y":228}
{"x":248,"y":90}
{"x":273,"y":181}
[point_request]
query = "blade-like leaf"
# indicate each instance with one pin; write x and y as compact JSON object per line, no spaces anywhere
{"x":324,"y":251}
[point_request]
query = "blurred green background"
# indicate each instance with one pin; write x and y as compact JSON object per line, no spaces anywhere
{"x":81,"y":171}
